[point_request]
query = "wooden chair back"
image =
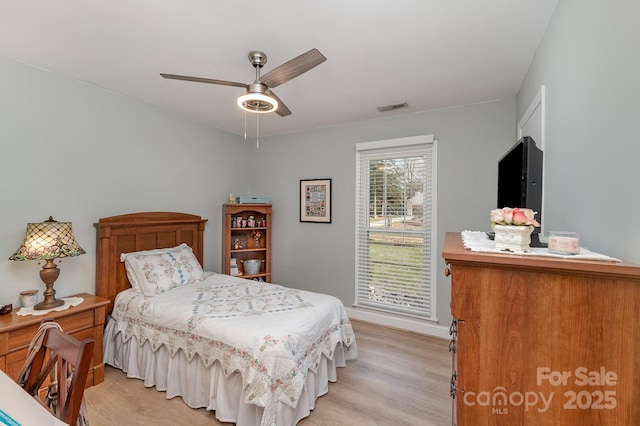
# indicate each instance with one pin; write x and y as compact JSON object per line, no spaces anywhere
{"x":71,"y":359}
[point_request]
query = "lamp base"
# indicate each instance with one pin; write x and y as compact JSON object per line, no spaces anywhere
{"x":48,"y":304}
{"x":48,"y":274}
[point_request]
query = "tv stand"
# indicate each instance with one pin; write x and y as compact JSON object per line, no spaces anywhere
{"x":535,"y":241}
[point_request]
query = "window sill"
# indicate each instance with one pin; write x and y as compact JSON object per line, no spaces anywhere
{"x":422,"y":326}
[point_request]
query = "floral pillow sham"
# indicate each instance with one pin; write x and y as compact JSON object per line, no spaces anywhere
{"x":156,"y":271}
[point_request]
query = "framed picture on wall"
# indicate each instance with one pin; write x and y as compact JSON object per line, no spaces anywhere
{"x":315,"y":200}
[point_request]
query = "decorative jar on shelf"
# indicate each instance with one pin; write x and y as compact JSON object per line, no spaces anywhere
{"x":252,"y":266}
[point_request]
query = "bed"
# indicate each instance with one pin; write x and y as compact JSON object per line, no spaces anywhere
{"x":253,"y":352}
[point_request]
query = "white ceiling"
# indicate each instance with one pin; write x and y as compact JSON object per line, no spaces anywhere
{"x":428,"y":53}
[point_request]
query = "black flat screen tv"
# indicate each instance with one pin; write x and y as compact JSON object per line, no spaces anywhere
{"x":520,"y":179}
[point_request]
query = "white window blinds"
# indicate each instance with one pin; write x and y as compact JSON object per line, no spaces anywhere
{"x":395,"y":226}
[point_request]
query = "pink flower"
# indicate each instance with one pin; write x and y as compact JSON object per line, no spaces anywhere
{"x":507,"y":212}
{"x":513,"y":216}
{"x":496,"y":216}
{"x":524,"y":217}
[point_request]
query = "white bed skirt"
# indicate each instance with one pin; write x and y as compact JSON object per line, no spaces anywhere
{"x":207,"y":387}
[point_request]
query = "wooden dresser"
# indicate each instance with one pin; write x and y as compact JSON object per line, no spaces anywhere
{"x":543,"y":341}
{"x":83,"y":321}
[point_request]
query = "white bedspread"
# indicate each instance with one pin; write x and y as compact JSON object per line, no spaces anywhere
{"x":272,"y":335}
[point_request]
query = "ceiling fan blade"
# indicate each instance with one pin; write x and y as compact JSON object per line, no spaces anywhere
{"x":204,"y":80}
{"x":293,"y":68}
{"x":282,"y":110}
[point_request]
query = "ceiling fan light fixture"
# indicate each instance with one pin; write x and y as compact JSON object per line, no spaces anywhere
{"x":257,"y":102}
{"x":259,"y":98}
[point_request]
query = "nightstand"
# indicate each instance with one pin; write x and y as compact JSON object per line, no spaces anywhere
{"x":83,"y":321}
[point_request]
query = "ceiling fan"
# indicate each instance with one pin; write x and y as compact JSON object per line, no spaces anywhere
{"x":259,"y":97}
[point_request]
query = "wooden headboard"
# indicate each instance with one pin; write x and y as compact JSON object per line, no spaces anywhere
{"x":140,"y":231}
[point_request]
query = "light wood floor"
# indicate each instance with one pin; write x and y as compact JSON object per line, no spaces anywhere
{"x":399,"y":378}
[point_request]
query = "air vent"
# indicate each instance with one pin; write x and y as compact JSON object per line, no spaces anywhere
{"x":392,"y":107}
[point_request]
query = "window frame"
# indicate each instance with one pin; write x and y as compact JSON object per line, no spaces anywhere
{"x":400,"y":147}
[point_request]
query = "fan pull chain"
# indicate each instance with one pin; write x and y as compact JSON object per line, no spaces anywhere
{"x":245,"y":125}
{"x":257,"y":130}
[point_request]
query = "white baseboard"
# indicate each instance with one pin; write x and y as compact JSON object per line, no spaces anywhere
{"x":399,"y":322}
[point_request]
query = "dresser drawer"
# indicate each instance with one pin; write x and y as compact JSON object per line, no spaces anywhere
{"x":22,"y":337}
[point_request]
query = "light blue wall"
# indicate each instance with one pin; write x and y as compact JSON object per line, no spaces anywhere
{"x":589,"y":62}
{"x":78,"y":153}
{"x":321,"y":257}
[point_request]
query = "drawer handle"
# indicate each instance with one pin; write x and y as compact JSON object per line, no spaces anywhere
{"x":452,"y":385}
{"x":447,"y":271}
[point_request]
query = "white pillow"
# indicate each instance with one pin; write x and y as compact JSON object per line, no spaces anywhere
{"x":128,"y":266}
{"x":160,"y":270}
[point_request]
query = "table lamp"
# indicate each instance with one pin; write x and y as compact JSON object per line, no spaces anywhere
{"x":48,"y":240}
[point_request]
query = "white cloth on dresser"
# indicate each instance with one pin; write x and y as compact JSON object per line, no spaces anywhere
{"x":479,"y":241}
{"x":68,"y":302}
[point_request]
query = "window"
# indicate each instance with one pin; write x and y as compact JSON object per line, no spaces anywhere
{"x":395,"y":226}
